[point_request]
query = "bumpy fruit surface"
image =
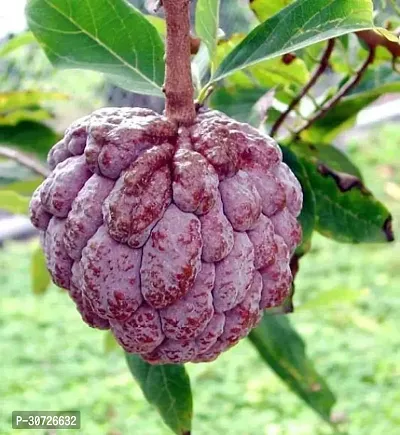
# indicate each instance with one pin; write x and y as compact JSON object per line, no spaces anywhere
{"x":176,"y":241}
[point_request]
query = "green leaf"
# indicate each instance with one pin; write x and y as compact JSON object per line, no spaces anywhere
{"x":267,"y":74}
{"x":346,"y":210}
{"x":40,"y":276}
{"x":283,"y":349}
{"x":23,"y":187}
{"x":376,"y":82}
{"x":275,"y":72}
{"x":344,"y":59}
{"x":159,"y":23}
{"x":167,"y":387}
{"x":237,"y":102}
{"x":307,"y":216}
{"x":29,"y":136}
{"x":339,"y":119}
{"x":13,"y":202}
{"x":302,"y":23}
{"x":262,"y":110}
{"x":207,"y":23}
{"x":200,"y":66}
{"x":265,"y":9}
{"x":236,"y":17}
{"x":16,"y":42}
{"x":327,"y":154}
{"x":15,"y":117}
{"x":330,"y":298}
{"x":107,"y":36}
{"x":23,"y":99}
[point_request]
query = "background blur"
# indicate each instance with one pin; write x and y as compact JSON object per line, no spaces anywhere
{"x":347,"y":305}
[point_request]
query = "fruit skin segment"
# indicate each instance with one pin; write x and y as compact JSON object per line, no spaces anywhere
{"x":176,"y":240}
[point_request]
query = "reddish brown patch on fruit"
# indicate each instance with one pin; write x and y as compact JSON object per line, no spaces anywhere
{"x":170,"y":268}
{"x":86,"y":215}
{"x":286,"y":226}
{"x":262,"y":238}
{"x":131,"y":211}
{"x":242,"y":202}
{"x":277,"y":277}
{"x":217,"y":234}
{"x":142,"y":333}
{"x":40,"y":218}
{"x":234,"y":274}
{"x":195,"y":182}
{"x":111,"y":279}
{"x":82,"y":303}
{"x":61,"y":187}
{"x":57,"y":259}
{"x":189,"y":316}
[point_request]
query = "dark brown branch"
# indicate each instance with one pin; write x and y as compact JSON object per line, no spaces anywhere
{"x":323,"y":65}
{"x":343,"y":91}
{"x":24,"y":160}
{"x":178,"y":85}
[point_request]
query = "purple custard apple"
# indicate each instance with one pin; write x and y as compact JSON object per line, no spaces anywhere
{"x":176,"y":241}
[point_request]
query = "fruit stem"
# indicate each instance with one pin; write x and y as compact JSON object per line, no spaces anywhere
{"x":178,"y":86}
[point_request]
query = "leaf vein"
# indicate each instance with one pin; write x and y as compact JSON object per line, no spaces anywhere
{"x":104,"y":46}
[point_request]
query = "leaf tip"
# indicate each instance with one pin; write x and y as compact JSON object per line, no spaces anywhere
{"x":388,"y":229}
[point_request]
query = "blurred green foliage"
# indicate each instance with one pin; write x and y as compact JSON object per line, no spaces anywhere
{"x":52,"y":360}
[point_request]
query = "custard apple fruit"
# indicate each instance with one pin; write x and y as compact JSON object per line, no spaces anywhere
{"x":174,"y":240}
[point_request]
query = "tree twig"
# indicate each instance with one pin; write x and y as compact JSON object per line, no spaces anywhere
{"x":331,"y":103}
{"x":24,"y":160}
{"x":178,"y":85}
{"x":323,"y":65}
